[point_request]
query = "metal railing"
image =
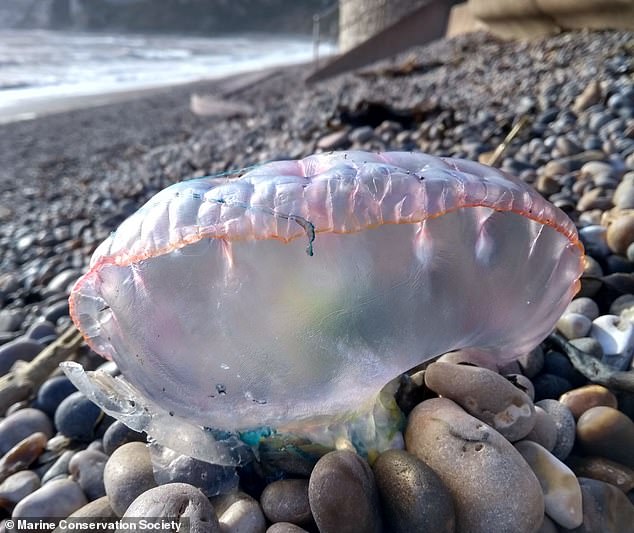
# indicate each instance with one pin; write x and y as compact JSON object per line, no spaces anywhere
{"x":325,"y":27}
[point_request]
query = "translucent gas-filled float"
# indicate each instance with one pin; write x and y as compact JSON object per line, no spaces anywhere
{"x":282,"y":301}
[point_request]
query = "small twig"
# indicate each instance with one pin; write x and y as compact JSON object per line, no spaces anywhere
{"x":21,"y":384}
{"x":592,"y":368}
{"x":496,"y":156}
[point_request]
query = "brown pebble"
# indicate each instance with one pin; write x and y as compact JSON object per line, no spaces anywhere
{"x":22,"y":455}
{"x":556,"y":168}
{"x":489,"y":480}
{"x":343,"y":494}
{"x":606,"y":432}
{"x":485,"y":157}
{"x":620,"y":233}
{"x":584,"y":398}
{"x":604,"y":470}
{"x":99,"y":508}
{"x":470,"y":357}
{"x":127,"y":474}
{"x":547,"y":185}
{"x":334,"y":140}
{"x":286,"y":500}
{"x":95,"y":512}
{"x":485,"y":395}
{"x":285,"y":527}
{"x":591,"y":95}
{"x":594,"y":199}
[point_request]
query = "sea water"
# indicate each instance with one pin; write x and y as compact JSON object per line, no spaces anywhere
{"x":39,"y":67}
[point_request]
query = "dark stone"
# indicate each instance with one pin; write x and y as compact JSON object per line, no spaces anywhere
{"x":605,"y":509}
{"x":411,"y":391}
{"x":22,"y":424}
{"x":603,"y":470}
{"x":617,"y":263}
{"x":77,"y":417}
{"x":59,"y":468}
{"x":52,"y":392}
{"x":286,"y":500}
{"x":86,"y":467}
{"x":613,"y":286}
{"x":172,"y":467}
{"x":566,"y":427}
{"x":559,"y":365}
{"x":11,"y":319}
{"x":56,"y":311}
{"x":56,"y":499}
{"x":118,"y":434}
{"x":532,"y":362}
{"x":16,"y":487}
{"x":412,"y":495}
{"x":344,"y":473}
{"x":549,"y":386}
{"x":22,"y":348}
{"x":42,"y":332}
{"x":103,"y":425}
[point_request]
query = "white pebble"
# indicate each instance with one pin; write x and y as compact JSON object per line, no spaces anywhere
{"x":616,"y":337}
{"x":574,"y":325}
{"x":562,"y":493}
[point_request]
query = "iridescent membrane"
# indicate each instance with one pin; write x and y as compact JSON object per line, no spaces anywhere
{"x":282,"y":302}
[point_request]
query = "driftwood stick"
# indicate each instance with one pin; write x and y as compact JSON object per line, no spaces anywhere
{"x":496,"y":157}
{"x":592,"y":368}
{"x":21,"y":383}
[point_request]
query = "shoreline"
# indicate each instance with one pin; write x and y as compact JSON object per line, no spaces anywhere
{"x":115,"y":130}
{"x":36,"y":108}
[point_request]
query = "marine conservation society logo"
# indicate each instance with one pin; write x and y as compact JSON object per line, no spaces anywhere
{"x":97,"y":524}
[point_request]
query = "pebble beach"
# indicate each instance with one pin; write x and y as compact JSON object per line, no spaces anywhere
{"x":564,"y":463}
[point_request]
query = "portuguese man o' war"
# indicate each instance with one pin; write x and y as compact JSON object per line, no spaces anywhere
{"x":281,"y":302}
